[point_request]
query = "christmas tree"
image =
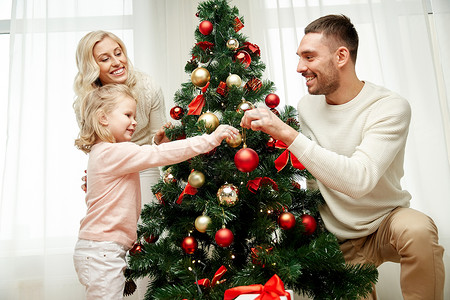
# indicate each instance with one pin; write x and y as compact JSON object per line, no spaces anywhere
{"x":236,"y":216}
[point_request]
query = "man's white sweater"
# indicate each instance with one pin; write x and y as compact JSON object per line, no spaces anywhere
{"x":356,"y":153}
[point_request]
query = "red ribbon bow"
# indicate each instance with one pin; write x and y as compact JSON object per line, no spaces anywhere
{"x":253,"y":185}
{"x":272,"y":290}
{"x":196,"y":105}
{"x":189,"y":190}
{"x":283,"y":159}
{"x":207,"y":283}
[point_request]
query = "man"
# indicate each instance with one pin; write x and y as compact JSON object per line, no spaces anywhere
{"x":353,"y":142}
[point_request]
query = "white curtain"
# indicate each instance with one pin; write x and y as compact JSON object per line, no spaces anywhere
{"x":404,"y":46}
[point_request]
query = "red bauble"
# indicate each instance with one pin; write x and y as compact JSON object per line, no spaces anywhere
{"x":286,"y":220}
{"x":189,"y":245}
{"x":309,"y":223}
{"x":271,"y":144}
{"x":151,"y":238}
{"x":246,"y":160}
{"x":176,"y":112}
{"x":272,"y":100}
{"x":224,"y":237}
{"x":137,"y":248}
{"x":205,"y":27}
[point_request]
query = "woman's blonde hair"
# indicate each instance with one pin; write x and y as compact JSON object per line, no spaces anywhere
{"x":87,"y":78}
{"x":96,"y":103}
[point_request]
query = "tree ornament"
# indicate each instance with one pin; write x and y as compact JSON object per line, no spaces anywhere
{"x":246,"y":160}
{"x":211,"y":121}
{"x":238,"y":25}
{"x":200,"y":77}
{"x":271,"y":144}
{"x":309,"y":223}
{"x":272,"y":100}
{"x":224,"y":237}
{"x":243,"y":57}
{"x":189,"y":245}
{"x":176,"y":112}
{"x":202,"y":222}
{"x":234,"y":80}
{"x":151,"y":238}
{"x":168,"y":177}
{"x":232,"y":44}
{"x":244,"y":106}
{"x":222,"y":89}
{"x":137,"y":248}
{"x":196,"y":179}
{"x":228,"y":195}
{"x":235,"y":141}
{"x":286,"y":221}
{"x":205,"y":27}
{"x":253,"y":84}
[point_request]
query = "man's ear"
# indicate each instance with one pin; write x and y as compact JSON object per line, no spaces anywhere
{"x":102,"y":118}
{"x":342,"y":56}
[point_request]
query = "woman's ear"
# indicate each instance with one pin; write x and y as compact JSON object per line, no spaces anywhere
{"x":102,"y":118}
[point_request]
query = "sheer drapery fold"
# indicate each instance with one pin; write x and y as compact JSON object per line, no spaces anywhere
{"x":404,"y":46}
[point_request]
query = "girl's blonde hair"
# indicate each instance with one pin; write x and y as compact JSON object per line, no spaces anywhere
{"x":96,"y":103}
{"x":87,"y":78}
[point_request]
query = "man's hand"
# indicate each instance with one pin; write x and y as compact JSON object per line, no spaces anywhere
{"x":264,"y":120}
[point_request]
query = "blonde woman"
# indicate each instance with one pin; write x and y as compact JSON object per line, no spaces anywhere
{"x":113,"y":199}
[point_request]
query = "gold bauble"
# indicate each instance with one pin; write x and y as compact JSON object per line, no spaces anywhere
{"x":196,"y":179}
{"x":202,"y":222}
{"x":244,"y":106}
{"x":211,"y":121}
{"x":234,"y":80}
{"x":200,"y":77}
{"x":232,"y":44}
{"x":228,"y":195}
{"x":234,"y":142}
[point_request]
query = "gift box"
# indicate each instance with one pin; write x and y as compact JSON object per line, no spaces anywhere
{"x":253,"y":296}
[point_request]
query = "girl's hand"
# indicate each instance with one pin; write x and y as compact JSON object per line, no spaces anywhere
{"x":160,"y":135}
{"x":225,"y":131}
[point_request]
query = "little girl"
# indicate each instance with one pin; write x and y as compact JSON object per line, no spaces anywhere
{"x":113,"y":196}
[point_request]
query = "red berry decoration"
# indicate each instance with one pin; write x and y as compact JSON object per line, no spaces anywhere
{"x":309,"y":223}
{"x":286,"y":220}
{"x":205,"y":27}
{"x":272,"y":100}
{"x":224,"y":237}
{"x":137,"y":248}
{"x":189,"y":245}
{"x":246,"y":160}
{"x":176,"y":112}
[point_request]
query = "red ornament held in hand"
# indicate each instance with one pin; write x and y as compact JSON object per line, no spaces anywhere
{"x":205,"y":27}
{"x":224,"y":237}
{"x":272,"y":100}
{"x":309,"y":223}
{"x":246,"y":160}
{"x":286,"y":220}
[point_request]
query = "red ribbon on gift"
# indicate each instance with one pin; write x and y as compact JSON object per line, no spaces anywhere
{"x":253,"y":185}
{"x":188,"y":190}
{"x":272,"y":290}
{"x":196,"y":106}
{"x":211,"y":283}
{"x":283,"y":159}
